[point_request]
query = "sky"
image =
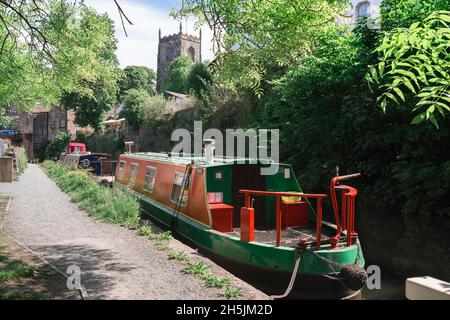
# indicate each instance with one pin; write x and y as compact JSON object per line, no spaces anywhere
{"x":141,"y":46}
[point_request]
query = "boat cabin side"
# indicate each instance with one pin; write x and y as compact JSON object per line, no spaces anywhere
{"x":178,"y":187}
{"x":210,"y":193}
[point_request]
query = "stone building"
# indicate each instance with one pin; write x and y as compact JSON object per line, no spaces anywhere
{"x":41,"y":125}
{"x":175,"y":45}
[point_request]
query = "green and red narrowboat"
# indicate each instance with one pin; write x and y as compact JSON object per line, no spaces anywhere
{"x":263,"y":227}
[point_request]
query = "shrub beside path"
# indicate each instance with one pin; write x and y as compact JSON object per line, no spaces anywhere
{"x":115,"y":262}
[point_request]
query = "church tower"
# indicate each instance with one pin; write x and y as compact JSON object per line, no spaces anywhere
{"x":175,"y":45}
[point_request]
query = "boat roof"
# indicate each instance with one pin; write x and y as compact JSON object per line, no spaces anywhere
{"x":197,"y":160}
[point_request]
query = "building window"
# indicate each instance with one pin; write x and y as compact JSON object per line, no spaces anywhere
{"x":179,"y":194}
{"x":149,"y":180}
{"x":121,"y":170}
{"x":62,"y":123}
{"x":133,"y":174}
{"x":191,"y":53}
{"x":362,"y":10}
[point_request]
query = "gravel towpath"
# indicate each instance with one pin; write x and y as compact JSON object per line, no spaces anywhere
{"x":115,"y":263}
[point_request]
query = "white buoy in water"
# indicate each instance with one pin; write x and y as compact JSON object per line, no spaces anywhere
{"x":427,"y":288}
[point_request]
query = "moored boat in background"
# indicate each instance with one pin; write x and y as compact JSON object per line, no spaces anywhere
{"x":76,"y":157}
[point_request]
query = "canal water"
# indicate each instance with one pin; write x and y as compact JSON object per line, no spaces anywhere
{"x":392,"y":282}
{"x":391,"y":289}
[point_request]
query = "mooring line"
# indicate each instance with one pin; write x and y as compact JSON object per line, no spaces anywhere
{"x":82,"y":291}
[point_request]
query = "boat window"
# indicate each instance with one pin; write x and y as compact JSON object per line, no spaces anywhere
{"x":149,"y":180}
{"x":133,"y":173}
{"x":215,"y":197}
{"x":121,"y":170}
{"x":179,"y":194}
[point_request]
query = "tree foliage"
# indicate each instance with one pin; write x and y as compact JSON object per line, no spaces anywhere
{"x":51,"y":49}
{"x":258,"y":33}
{"x":54,"y":148}
{"x":90,"y":108}
{"x":403,"y":13}
{"x":176,"y":78}
{"x":137,"y":77}
{"x":95,"y":90}
{"x":199,"y":79}
{"x":416,"y":61}
{"x":140,"y":107}
{"x":328,"y":117}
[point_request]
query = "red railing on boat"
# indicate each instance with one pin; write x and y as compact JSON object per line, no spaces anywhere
{"x":278,"y":195}
{"x":345,"y":222}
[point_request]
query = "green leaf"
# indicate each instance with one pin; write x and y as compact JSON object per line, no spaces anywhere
{"x":424,"y":102}
{"x":374,"y":74}
{"x":443,"y":105}
{"x":399,"y":93}
{"x":417,"y":119}
{"x":406,"y":73}
{"x":434,"y":121}
{"x":409,"y":85}
{"x":381,"y":67}
{"x":383,"y":105}
{"x":444,"y":17}
{"x":414,"y":26}
{"x":391,"y":96}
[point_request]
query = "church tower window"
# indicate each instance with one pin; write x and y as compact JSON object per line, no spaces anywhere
{"x":362,"y":10}
{"x":191,"y":53}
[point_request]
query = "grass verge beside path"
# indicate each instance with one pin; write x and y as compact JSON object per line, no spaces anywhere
{"x":109,"y":205}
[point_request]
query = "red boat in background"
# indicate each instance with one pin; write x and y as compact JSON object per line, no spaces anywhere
{"x":72,"y":147}
{"x":76,"y":157}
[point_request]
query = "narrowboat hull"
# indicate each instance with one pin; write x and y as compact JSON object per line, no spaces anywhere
{"x":265,"y":266}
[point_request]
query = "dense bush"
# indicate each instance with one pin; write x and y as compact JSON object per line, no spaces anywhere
{"x":54,"y":148}
{"x":110,"y":205}
{"x":140,"y":107}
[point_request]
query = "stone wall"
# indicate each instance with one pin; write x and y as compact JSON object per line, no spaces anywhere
{"x":40,"y":126}
{"x":157,"y":138}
